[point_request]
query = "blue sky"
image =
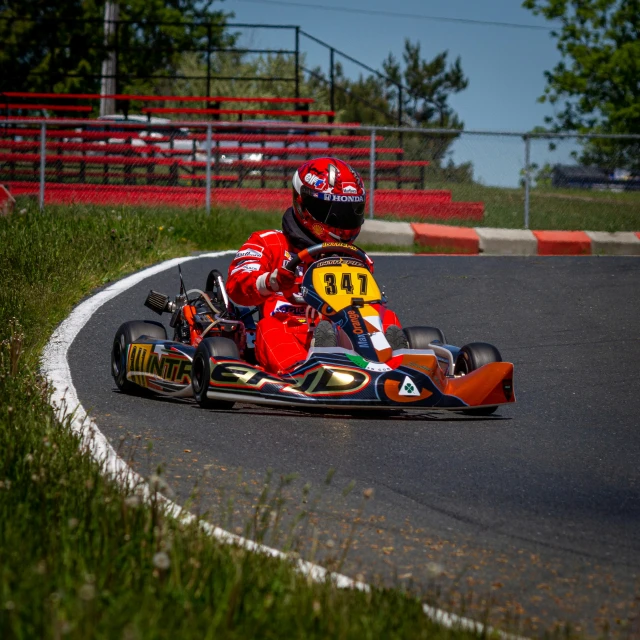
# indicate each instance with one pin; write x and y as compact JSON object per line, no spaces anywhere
{"x":505,"y":66}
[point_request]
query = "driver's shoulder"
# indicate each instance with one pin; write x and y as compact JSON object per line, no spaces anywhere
{"x":268,"y":234}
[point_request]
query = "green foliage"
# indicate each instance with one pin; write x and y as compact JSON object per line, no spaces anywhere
{"x":427,"y":86}
{"x":81,"y":247}
{"x":430,"y":83}
{"x":597,"y":77}
{"x":540,"y":176}
{"x":424,"y":100}
{"x":59,"y":46}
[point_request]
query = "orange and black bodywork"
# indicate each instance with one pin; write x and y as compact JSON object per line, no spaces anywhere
{"x":363,"y":372}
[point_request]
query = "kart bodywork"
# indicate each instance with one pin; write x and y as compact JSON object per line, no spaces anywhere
{"x":211,"y":355}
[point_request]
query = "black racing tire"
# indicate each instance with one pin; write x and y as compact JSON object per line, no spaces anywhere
{"x":471,"y":357}
{"x":324,"y":335}
{"x":201,"y":369}
{"x":126,"y":334}
{"x":421,"y":337}
{"x":396,"y":337}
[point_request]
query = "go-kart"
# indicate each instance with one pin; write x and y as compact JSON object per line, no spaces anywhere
{"x":352,"y":363}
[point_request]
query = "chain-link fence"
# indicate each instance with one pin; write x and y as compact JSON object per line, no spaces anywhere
{"x":493,"y":179}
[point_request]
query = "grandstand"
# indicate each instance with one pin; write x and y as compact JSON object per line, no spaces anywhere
{"x":146,"y":159}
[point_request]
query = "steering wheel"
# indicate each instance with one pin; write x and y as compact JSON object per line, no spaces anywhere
{"x":310,"y":255}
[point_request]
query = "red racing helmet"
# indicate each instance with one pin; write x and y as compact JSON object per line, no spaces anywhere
{"x":329,"y":200}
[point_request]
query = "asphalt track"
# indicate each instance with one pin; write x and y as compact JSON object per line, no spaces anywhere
{"x":533,"y":512}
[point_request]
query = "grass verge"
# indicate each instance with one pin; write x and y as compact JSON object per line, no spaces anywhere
{"x":550,"y":209}
{"x":79,"y":557}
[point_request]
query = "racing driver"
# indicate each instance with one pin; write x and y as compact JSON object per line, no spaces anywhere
{"x":328,"y":206}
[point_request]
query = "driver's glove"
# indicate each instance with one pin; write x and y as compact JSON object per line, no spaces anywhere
{"x":280,"y":280}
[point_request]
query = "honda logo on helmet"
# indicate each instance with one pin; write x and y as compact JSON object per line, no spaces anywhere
{"x":339,"y":198}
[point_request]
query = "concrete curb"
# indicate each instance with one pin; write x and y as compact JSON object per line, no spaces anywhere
{"x":397,"y":234}
{"x":506,"y":242}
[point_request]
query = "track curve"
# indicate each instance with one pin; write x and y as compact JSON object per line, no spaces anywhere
{"x":536,"y":510}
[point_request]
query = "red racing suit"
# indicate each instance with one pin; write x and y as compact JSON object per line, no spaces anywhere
{"x":283,"y":336}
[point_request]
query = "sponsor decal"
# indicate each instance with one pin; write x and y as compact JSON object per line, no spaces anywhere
{"x":285,"y":307}
{"x":235,"y":374}
{"x":334,"y":197}
{"x":363,"y":363}
{"x":247,"y":267}
{"x":170,"y":366}
{"x":408,"y":388}
{"x":331,"y":380}
{"x":337,"y":262}
{"x":407,"y":391}
{"x":248,"y":253}
{"x":354,"y":316}
{"x":349,"y":189}
{"x":314,"y":181}
{"x":337,"y":244}
{"x":317,"y":230}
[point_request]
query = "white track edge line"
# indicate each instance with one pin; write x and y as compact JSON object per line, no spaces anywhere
{"x":66,"y":404}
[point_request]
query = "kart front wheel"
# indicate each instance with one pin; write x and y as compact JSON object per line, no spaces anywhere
{"x":325,"y":335}
{"x":396,"y":337}
{"x":127,"y":334}
{"x":422,"y":337}
{"x":471,"y":357}
{"x":201,"y":369}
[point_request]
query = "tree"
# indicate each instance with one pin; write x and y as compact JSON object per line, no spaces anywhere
{"x":430,"y":84}
{"x":427,"y":86}
{"x":597,"y":77}
{"x":59,"y":46}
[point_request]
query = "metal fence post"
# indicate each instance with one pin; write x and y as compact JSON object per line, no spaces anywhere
{"x":43,"y":152}
{"x":297,"y":63}
{"x":208,"y":173}
{"x":527,"y":178}
{"x":332,"y":95}
{"x":372,"y":172}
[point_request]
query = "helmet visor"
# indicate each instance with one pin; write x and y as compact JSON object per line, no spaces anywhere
{"x":341,"y":212}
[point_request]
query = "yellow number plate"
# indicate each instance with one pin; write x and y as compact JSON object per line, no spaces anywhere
{"x":337,"y":285}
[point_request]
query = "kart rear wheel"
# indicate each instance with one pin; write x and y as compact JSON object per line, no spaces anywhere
{"x":396,"y":337}
{"x":421,"y":337}
{"x":201,"y":369}
{"x":128,"y":333}
{"x":471,"y":357}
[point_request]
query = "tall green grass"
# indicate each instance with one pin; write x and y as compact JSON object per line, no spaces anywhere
{"x":79,"y":556}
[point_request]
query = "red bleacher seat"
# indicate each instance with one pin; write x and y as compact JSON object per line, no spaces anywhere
{"x":45,"y":107}
{"x":147,"y":148}
{"x":147,"y":98}
{"x":240,"y":138}
{"x":286,"y":138}
{"x":92,"y":159}
{"x":239,"y":112}
{"x":293,"y":164}
{"x":116,"y":161}
{"x":305,"y":151}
